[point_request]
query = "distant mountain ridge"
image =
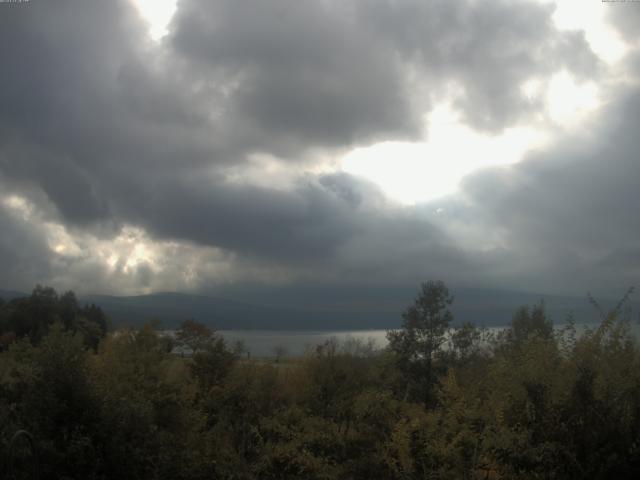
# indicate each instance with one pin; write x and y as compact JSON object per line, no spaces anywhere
{"x":10,"y":294}
{"x":327,"y":310}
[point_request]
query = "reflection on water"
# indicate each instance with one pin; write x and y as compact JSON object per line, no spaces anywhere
{"x":264,"y":343}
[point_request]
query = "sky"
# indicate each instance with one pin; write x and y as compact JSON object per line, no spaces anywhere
{"x":199,"y":145}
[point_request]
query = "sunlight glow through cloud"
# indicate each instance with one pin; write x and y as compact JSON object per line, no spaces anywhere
{"x":589,"y":16}
{"x":158,"y":14}
{"x":17,"y":204}
{"x":418,"y":172}
{"x":568,"y":102}
{"x":132,"y":261}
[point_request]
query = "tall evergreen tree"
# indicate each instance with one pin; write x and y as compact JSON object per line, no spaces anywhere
{"x":416,"y":344}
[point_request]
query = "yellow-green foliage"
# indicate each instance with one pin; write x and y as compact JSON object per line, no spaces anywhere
{"x":530,"y":404}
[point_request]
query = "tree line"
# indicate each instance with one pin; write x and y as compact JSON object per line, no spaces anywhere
{"x":530,"y":402}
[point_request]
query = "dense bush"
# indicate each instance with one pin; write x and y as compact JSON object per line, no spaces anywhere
{"x":532,"y":402}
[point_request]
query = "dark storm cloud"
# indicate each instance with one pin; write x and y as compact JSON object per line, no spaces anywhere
{"x":306,"y":223}
{"x":100,"y":128}
{"x":336,"y":73}
{"x":489,"y":48}
{"x":86,"y":109}
{"x":307,"y":73}
{"x":400,"y":248}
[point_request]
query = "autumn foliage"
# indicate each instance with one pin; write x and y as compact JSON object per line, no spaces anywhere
{"x":440,"y":402}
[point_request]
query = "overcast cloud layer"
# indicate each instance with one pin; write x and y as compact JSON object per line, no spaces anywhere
{"x":211,"y":157}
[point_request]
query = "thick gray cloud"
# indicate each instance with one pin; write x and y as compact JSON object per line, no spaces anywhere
{"x":566,"y":217}
{"x":24,"y":253}
{"x":306,"y":223}
{"x":298,"y":74}
{"x":87,"y":111}
{"x":625,"y":19}
{"x":101,"y":128}
{"x":335,"y":72}
{"x":489,"y":49}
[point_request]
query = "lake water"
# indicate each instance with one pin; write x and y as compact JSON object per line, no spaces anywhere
{"x":262,"y":343}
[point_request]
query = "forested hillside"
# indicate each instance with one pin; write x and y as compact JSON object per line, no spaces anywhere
{"x":439,"y":403}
